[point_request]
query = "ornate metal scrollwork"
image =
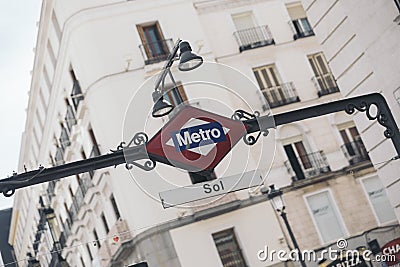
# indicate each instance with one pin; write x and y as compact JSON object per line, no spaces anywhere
{"x":139,"y":139}
{"x":249,"y":139}
{"x":379,"y":116}
{"x":148,"y":165}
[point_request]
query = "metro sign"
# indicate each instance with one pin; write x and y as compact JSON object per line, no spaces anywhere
{"x":195,"y":139}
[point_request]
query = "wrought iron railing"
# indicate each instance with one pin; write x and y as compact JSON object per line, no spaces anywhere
{"x":325,"y":84}
{"x":298,"y":31}
{"x":76,"y":94}
{"x":280,"y":95}
{"x":156,"y":51}
{"x":233,"y":259}
{"x":355,"y":152}
{"x":253,"y":38}
{"x":307,"y":166}
{"x":70,"y":119}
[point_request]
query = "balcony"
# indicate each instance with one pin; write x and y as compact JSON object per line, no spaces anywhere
{"x":76,"y":94}
{"x":122,"y":234}
{"x":70,"y":119}
{"x":253,"y":38}
{"x":355,"y":152}
{"x":325,"y":84}
{"x":301,"y":28}
{"x":280,"y":95}
{"x":307,"y":166}
{"x":156,"y":51}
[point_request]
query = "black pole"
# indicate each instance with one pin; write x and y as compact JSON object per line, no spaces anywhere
{"x":296,"y":246}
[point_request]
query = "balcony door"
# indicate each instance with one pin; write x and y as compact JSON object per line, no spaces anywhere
{"x":243,"y":21}
{"x":270,"y":84}
{"x":349,"y":137}
{"x":298,"y":158}
{"x":152,"y":40}
{"x":322,"y":72}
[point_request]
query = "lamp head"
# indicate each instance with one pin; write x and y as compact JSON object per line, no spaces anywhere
{"x":275,"y":195}
{"x":161,"y":106}
{"x":188,"y":59}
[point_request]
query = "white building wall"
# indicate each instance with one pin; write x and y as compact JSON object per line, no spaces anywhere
{"x":360,"y":40}
{"x":100,"y":41}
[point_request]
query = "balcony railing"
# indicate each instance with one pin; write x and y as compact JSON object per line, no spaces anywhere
{"x":156,"y":51}
{"x":301,"y":28}
{"x":233,"y":258}
{"x":280,"y":95}
{"x":307,"y":166}
{"x":325,"y":84}
{"x":355,"y":152}
{"x":254,"y":38}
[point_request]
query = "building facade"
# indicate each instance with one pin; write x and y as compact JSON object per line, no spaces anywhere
{"x":93,"y":56}
{"x":353,"y":36}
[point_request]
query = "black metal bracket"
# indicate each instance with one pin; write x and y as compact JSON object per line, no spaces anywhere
{"x":250,"y":138}
{"x":254,"y":123}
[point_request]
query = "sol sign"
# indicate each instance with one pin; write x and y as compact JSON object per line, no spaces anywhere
{"x":392,"y":248}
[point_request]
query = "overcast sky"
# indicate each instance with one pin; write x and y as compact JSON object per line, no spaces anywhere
{"x":18,"y":32}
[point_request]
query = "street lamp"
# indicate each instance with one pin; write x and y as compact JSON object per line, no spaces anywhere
{"x":187,"y":61}
{"x":275,"y":195}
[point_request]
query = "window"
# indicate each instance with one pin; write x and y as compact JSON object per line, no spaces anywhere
{"x":76,"y":94}
{"x":82,"y":262}
{"x":299,"y":21}
{"x":154,"y":46}
{"x":377,"y":197}
{"x":353,"y":146}
{"x":274,"y":91}
{"x":96,"y":239}
{"x":248,"y":35}
{"x":64,"y":138}
{"x":59,"y":157}
{"x":325,"y":216}
{"x":105,"y":224}
{"x":70,"y":119}
{"x":228,"y":249}
{"x":115,"y":207}
{"x":95,"y":149}
{"x":243,"y":21}
{"x":175,"y":95}
{"x":323,"y":79}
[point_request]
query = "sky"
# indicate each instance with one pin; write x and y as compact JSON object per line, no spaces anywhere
{"x":18,"y":30}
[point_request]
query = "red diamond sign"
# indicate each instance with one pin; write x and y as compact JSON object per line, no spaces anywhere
{"x":195,"y":139}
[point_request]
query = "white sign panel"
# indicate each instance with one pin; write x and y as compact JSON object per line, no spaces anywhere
{"x":208,"y":189}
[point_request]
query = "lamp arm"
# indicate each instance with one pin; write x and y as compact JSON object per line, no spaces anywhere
{"x":168,"y":64}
